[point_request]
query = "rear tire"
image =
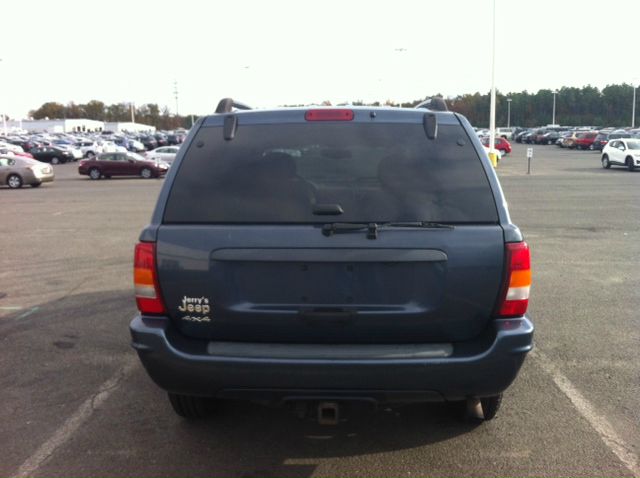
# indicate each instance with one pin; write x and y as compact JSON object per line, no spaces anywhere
{"x":606,"y":164}
{"x":14,"y":181}
{"x":630,"y":165}
{"x":94,"y":173}
{"x":190,"y":407}
{"x":55,"y":160}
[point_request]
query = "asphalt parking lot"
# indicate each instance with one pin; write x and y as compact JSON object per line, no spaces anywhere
{"x":76,"y":401}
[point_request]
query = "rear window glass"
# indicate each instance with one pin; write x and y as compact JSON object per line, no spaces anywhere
{"x":374,"y":172}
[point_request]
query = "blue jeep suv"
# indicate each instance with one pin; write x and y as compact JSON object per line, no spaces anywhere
{"x":323,"y":255}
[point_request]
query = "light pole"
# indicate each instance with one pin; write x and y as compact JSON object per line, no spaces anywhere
{"x":175,"y":94}
{"x":633,"y":105}
{"x":508,"y":112}
{"x":553,"y":118}
{"x":492,"y":110}
{"x":4,"y":118}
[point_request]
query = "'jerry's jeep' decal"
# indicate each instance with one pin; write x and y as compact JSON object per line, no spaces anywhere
{"x":198,"y":305}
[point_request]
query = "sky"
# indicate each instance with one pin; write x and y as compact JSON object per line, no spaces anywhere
{"x":276,"y":52}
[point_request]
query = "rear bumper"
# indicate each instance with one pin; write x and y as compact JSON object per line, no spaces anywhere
{"x":199,"y":367}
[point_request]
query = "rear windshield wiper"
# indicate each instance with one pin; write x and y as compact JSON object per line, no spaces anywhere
{"x":417,"y":224}
{"x":336,"y":227}
{"x":372,"y":227}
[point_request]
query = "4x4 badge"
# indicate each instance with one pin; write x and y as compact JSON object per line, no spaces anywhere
{"x":198,"y":305}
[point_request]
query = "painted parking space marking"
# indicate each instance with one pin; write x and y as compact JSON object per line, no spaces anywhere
{"x":597,"y":421}
{"x":33,"y":310}
{"x":74,"y":422}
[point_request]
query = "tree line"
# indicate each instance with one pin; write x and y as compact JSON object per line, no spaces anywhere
{"x":149,"y":113}
{"x":586,"y":106}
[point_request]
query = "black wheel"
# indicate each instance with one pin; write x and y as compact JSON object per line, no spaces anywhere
{"x":55,"y":160}
{"x":94,"y":173}
{"x":591,"y":147}
{"x":36,"y":185}
{"x":630,"y":165}
{"x":190,"y":407}
{"x":549,"y":142}
{"x":146,"y":173}
{"x":90,"y":154}
{"x":14,"y":181}
{"x":490,"y":406}
{"x":606,"y":164}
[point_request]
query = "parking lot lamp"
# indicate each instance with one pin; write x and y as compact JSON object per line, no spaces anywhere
{"x":508,"y":112}
{"x":553,"y":117}
{"x":493,"y":156}
{"x":4,"y":119}
{"x":633,"y":105}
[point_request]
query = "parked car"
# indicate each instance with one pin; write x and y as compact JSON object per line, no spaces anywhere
{"x":501,"y":145}
{"x":521,"y":135}
{"x":11,"y":147}
{"x":6,"y":152}
{"x":315,"y":255}
{"x":88,"y":148}
{"x":621,"y":152}
{"x":569,"y":140}
{"x":585,"y":140}
{"x":166,"y":154}
{"x":550,"y":137}
{"x":16,"y":171}
{"x":51,"y":154}
{"x":107,"y":165}
{"x":75,"y":152}
{"x":506,"y":133}
{"x":161,"y":139}
{"x":176,"y":138}
{"x":149,"y":142}
{"x":600,"y":141}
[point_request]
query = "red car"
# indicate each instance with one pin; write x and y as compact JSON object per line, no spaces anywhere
{"x":585,"y":140}
{"x":122,"y":164}
{"x":501,"y":145}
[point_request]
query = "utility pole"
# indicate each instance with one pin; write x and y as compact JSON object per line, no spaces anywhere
{"x":133,"y":115}
{"x":553,"y":117}
{"x":508,"y":112}
{"x":633,"y":105}
{"x":492,"y":109}
{"x":175,"y":94}
{"x":4,"y":118}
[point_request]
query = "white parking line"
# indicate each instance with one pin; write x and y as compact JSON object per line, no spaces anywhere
{"x":69,"y":427}
{"x":600,"y":424}
{"x":28,"y":312}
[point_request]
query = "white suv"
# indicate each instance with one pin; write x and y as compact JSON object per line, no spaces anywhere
{"x":622,"y":152}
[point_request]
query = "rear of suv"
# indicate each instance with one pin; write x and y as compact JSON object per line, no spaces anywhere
{"x":322,"y":255}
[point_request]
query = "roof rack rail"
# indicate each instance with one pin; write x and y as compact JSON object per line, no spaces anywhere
{"x":434,"y":104}
{"x":227,"y":104}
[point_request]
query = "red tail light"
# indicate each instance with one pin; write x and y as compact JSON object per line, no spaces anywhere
{"x":145,"y":279}
{"x":514,"y":298}
{"x":329,"y":115}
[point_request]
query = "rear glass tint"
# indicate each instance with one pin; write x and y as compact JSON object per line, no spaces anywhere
{"x":376,"y":172}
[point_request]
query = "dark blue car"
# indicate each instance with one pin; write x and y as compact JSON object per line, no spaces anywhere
{"x":320,"y":256}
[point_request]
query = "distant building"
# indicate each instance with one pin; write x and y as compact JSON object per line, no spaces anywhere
{"x":128,"y":127}
{"x":57,"y":125}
